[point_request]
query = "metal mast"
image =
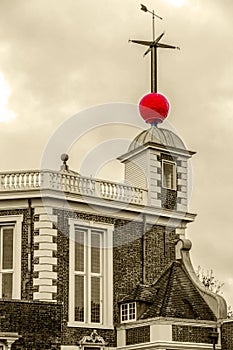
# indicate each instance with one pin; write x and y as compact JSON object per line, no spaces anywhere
{"x":153,"y":45}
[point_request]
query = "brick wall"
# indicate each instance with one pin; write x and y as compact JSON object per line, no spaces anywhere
{"x":72,"y":335}
{"x":138,"y":335}
{"x":127,"y":260}
{"x":227,"y":336}
{"x":191,"y":334}
{"x":159,"y":250}
{"x":38,"y":323}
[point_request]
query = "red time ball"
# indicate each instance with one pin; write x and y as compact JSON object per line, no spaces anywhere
{"x":154,"y":108}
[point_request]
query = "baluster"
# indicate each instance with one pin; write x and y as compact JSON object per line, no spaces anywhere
{"x":33,"y":179}
{"x":127,"y":193}
{"x":136,"y":195}
{"x":107,"y":189}
{"x":30,"y":180}
{"x":117,"y":192}
{"x":80,"y":184}
{"x":76,"y":182}
{"x":26,"y":180}
{"x":91,"y":187}
{"x":121,"y":192}
{"x":88,"y":190}
{"x":66,"y":182}
{"x":51,"y":180}
{"x":93,"y":190}
{"x":42,"y":179}
{"x":71,"y":183}
{"x":11,"y":180}
{"x":88,"y":186}
{"x":141,"y":196}
{"x":63,"y":182}
{"x":17,"y":182}
{"x":124,"y":193}
{"x":83,"y":186}
{"x":103,"y":189}
{"x":140,"y":193}
{"x":7,"y":181}
{"x":57,"y":181}
{"x":37,"y":179}
{"x":113,"y":191}
{"x":2,"y":183}
{"x":132,"y":195}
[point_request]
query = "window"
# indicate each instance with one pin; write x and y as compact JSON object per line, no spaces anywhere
{"x":169,"y":175}
{"x":128,"y":312}
{"x":6,"y":260}
{"x":90,"y":274}
{"x":10,"y":256}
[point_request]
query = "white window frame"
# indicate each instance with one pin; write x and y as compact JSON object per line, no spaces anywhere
{"x":174,"y":168}
{"x":128,"y":312}
{"x":14,"y":221}
{"x":107,"y":275}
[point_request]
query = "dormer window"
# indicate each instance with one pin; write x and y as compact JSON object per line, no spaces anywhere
{"x":128,"y":312}
{"x":169,"y":175}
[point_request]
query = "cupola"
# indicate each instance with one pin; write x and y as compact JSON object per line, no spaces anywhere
{"x":157,"y":159}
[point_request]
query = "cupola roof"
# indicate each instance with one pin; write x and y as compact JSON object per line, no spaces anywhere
{"x":157,"y":135}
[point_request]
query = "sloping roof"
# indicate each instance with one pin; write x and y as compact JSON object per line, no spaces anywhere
{"x":172,"y":295}
{"x":143,"y":293}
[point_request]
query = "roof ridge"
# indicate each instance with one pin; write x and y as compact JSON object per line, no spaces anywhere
{"x":168,"y":289}
{"x":167,"y":267}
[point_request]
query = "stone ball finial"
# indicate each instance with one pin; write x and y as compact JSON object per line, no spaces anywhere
{"x":64,"y":157}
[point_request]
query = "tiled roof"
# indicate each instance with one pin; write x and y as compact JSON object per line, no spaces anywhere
{"x":143,"y":293}
{"x":172,"y":295}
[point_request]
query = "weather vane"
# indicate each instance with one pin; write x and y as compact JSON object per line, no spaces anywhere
{"x":153,"y":45}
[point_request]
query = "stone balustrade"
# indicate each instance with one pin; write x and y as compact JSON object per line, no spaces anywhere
{"x":70,"y":183}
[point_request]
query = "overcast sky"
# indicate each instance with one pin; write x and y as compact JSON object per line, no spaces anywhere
{"x":61,"y":57}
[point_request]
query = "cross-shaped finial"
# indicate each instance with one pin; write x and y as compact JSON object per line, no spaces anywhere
{"x":153,"y":45}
